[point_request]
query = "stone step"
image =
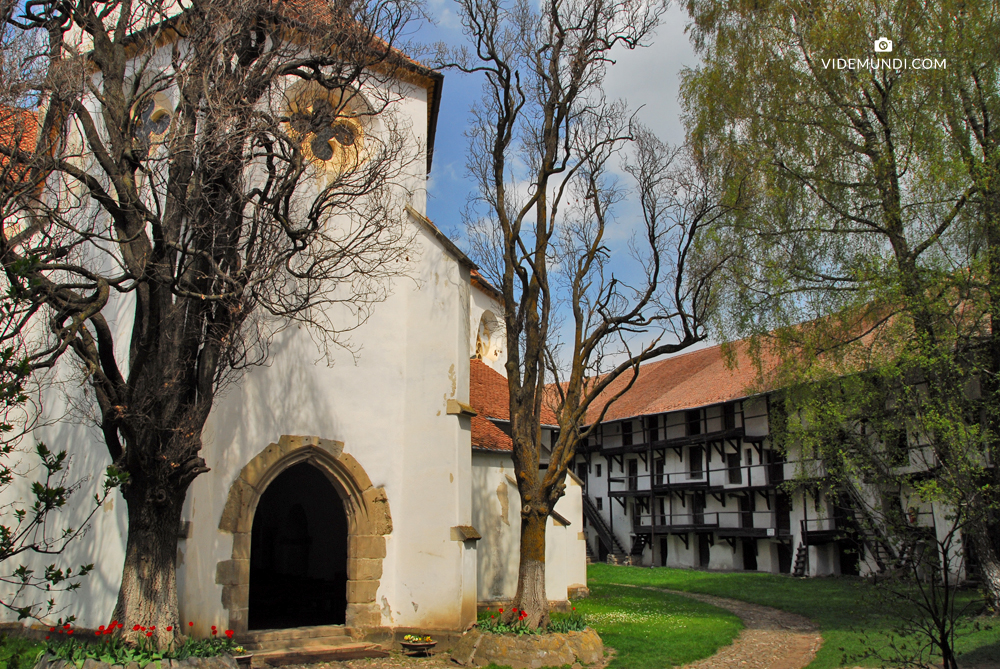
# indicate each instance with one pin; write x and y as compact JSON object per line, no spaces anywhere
{"x":264,"y":638}
{"x":294,"y":644}
{"x":347,"y":651}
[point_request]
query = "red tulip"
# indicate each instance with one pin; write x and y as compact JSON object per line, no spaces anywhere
{"x":149,"y":634}
{"x":190,"y":624}
{"x":229,"y":633}
{"x":136,"y":628}
{"x":170,"y":628}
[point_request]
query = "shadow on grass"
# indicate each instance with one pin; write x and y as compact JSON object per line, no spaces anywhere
{"x":983,"y":656}
{"x":842,"y":607}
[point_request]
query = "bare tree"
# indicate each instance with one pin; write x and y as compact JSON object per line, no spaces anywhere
{"x":214,"y":170}
{"x":543,"y":147}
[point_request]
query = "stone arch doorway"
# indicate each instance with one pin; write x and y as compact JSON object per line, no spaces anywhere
{"x":365,"y":511}
{"x":298,"y":552}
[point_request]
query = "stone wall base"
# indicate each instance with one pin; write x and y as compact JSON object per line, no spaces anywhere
{"x":476,"y":649}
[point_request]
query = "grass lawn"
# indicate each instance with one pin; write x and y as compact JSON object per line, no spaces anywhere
{"x":841,"y":607}
{"x":652,"y":629}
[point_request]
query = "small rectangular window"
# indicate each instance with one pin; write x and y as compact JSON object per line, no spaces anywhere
{"x":696,"y":459}
{"x":733,"y":465}
{"x":600,"y":503}
{"x":693,"y":420}
{"x":598,"y":473}
{"x":728,"y":416}
{"x":652,"y":431}
{"x":626,"y":433}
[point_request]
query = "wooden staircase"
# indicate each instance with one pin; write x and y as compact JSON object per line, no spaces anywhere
{"x":604,"y":532}
{"x":801,"y":561}
{"x":306,"y":645}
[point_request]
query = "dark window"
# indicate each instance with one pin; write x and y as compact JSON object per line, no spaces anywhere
{"x":658,"y":468}
{"x":733,"y":465}
{"x":895,"y":448}
{"x":653,"y":432}
{"x":696,"y":458}
{"x":775,"y":467}
{"x":597,"y":474}
{"x":728,"y":416}
{"x":698,"y":508}
{"x":693,"y":420}
{"x":626,"y":433}
{"x":600,"y":503}
{"x":633,"y":474}
{"x":746,"y":510}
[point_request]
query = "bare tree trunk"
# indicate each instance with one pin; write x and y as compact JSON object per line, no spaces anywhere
{"x":530,"y":597}
{"x":989,"y":564}
{"x":148,"y":594}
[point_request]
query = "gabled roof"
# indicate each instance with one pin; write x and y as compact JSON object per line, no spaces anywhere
{"x":488,"y":395}
{"x":687,"y":381}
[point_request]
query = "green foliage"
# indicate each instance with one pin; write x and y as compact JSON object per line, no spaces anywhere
{"x":111,"y":648}
{"x":493,"y":623}
{"x":18,"y":652}
{"x":574,"y":621}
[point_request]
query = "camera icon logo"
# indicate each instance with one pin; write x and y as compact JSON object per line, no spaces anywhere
{"x":883,"y":45}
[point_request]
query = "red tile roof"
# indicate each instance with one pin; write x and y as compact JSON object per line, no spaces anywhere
{"x":687,"y":381}
{"x":488,"y":395}
{"x":18,"y":128}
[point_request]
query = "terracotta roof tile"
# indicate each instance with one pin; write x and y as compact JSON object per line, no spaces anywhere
{"x":18,"y":127}
{"x":696,"y":379}
{"x":488,"y":395}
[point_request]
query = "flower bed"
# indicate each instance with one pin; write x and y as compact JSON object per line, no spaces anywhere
{"x":64,"y":650}
{"x":217,"y":662}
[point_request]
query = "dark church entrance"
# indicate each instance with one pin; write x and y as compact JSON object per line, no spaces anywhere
{"x":298,"y":553}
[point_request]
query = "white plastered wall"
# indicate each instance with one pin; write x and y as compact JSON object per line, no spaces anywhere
{"x":387,"y":404}
{"x":496,"y":514}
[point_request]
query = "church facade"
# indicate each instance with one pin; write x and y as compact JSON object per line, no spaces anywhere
{"x":341,"y":494}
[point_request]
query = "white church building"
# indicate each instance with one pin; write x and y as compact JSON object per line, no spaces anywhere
{"x":350,"y":494}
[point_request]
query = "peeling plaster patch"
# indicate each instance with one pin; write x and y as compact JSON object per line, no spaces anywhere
{"x":451,"y":478}
{"x":454,"y":379}
{"x":109,"y":505}
{"x":415,"y":606}
{"x":386,"y":609}
{"x":504,"y":503}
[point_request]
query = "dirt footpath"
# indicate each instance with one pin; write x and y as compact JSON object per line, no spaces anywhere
{"x":772,"y":639}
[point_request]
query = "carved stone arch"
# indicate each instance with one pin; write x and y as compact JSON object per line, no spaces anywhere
{"x":368,"y":521}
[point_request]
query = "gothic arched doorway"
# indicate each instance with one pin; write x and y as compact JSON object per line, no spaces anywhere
{"x":364,"y":507}
{"x":298,"y":552}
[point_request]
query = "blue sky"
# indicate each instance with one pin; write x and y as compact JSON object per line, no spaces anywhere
{"x":647,"y":78}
